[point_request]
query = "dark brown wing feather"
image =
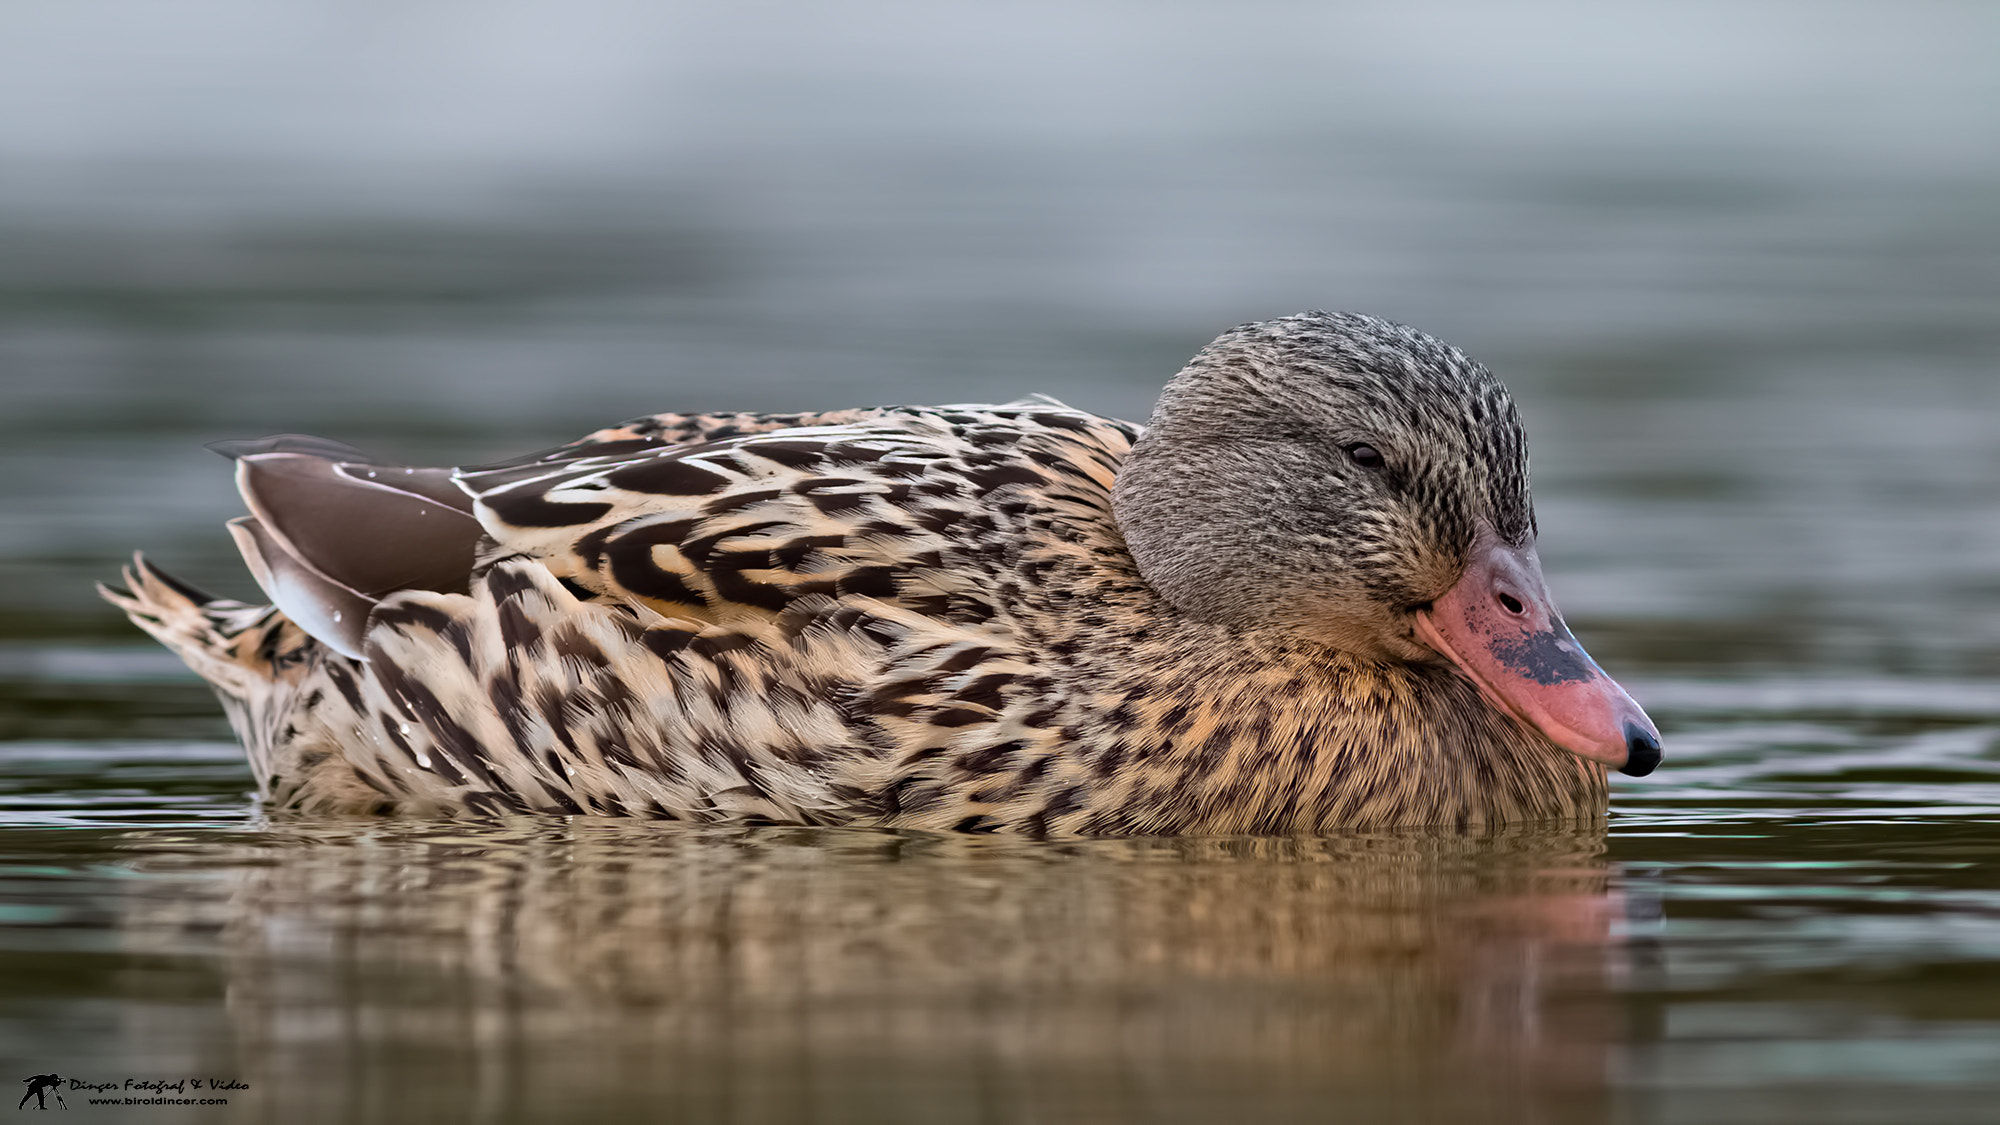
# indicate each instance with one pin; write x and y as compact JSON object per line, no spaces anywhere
{"x":331,"y":531}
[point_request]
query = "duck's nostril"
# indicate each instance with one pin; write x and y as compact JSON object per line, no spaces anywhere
{"x":1642,"y":751}
{"x":1510,"y":603}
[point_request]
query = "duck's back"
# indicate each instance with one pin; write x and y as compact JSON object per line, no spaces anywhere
{"x":796,"y":618}
{"x":741,"y":519}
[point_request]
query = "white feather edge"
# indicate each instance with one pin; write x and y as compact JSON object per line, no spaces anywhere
{"x":329,"y":612}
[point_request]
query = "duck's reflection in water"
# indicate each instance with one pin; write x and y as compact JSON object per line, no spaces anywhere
{"x":783,"y":975}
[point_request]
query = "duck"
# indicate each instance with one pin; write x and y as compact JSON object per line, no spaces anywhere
{"x":1303,"y":598}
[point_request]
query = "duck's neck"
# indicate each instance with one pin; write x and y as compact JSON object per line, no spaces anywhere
{"x":1198,"y":728}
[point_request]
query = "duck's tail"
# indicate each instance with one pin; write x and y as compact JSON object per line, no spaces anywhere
{"x":260,"y":663}
{"x":235,"y":647}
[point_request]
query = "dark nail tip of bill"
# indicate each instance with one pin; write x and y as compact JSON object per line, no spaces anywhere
{"x":1642,"y":751}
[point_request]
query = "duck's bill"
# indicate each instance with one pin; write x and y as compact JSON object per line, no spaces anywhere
{"x":1501,"y":628}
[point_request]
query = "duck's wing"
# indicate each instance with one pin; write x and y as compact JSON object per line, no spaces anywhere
{"x":884,"y":506}
{"x":705,"y":517}
{"x":332,"y":530}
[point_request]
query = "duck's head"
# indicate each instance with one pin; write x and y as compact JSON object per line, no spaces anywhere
{"x":1361,"y":484}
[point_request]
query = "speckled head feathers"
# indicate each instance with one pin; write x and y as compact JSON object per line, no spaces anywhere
{"x":1251,"y":501}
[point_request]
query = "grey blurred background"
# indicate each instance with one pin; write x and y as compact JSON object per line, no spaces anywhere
{"x":1739,"y":261}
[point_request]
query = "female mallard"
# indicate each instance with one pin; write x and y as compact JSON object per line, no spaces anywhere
{"x":1306,"y":597}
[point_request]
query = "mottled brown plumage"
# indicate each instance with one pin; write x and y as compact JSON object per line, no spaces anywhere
{"x":975,"y":618}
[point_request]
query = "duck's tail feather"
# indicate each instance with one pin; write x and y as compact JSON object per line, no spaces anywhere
{"x":254,"y":657}
{"x":229,"y":644}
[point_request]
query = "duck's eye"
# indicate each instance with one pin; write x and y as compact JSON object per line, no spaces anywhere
{"x":1364,"y":455}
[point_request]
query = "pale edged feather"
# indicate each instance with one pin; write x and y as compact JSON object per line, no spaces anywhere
{"x":332,"y":531}
{"x":331,"y":612}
